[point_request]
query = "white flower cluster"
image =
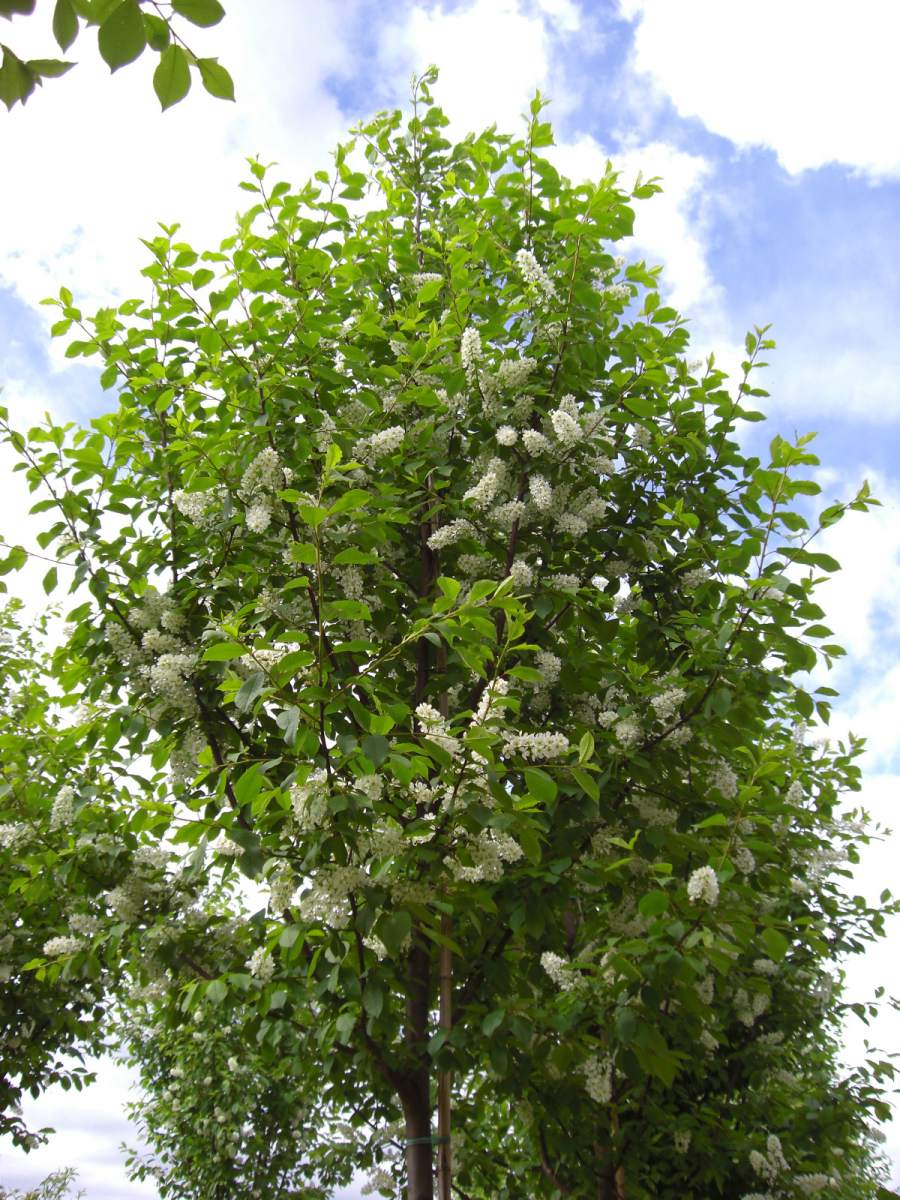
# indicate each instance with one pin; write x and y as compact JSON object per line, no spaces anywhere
{"x":795,"y":793}
{"x":749,"y":1007}
{"x":560,"y":971}
{"x":507,"y":436}
{"x":327,"y":901}
{"x":470,"y":352}
{"x":58,"y":947}
{"x":536,"y":747}
{"x":681,"y":1140}
{"x":420,"y":278}
{"x":667,"y":703}
{"x":225,"y":848}
{"x":491,"y":700}
{"x":309,"y":801}
{"x":506,"y":515}
{"x":84,"y":924}
{"x":521,"y":574}
{"x":168,"y":680}
{"x":811,"y":1185}
{"x":261,"y":964}
{"x":514,"y":373}
{"x":724,"y":780}
{"x":200,"y":508}
{"x":450,"y":533}
{"x":534,"y":273}
{"x":695,"y":577}
{"x":743,"y":859}
{"x":62,"y":814}
{"x":541,"y":492}
{"x":769,"y":1166}
{"x":598,"y":1079}
{"x":566,"y":423}
{"x":488,"y":485}
{"x":628,"y":732}
{"x":386,"y":441}
{"x":535,"y":443}
{"x":703,"y":886}
{"x":489,"y":851}
{"x":12,"y":834}
{"x":282,"y":886}
{"x":549,"y":665}
{"x":436,"y":727}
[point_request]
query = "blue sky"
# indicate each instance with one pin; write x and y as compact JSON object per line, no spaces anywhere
{"x":774,"y":128}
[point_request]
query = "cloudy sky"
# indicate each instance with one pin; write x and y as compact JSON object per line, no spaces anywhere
{"x":774,"y":127}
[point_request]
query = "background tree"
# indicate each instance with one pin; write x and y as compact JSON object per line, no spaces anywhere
{"x":125,"y":28}
{"x":437,"y":576}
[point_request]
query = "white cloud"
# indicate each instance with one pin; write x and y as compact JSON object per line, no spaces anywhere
{"x":97,"y":165}
{"x":492,"y":55}
{"x":813,"y":80}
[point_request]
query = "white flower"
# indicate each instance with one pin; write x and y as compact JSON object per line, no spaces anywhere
{"x":703,"y":886}
{"x":57,"y":947}
{"x":470,"y":351}
{"x":667,"y":703}
{"x":507,"y":436}
{"x":724,"y":780}
{"x":628,"y":732}
{"x":261,"y":964}
{"x":566,"y":428}
{"x":521,"y":574}
{"x":795,"y":793}
{"x":536,"y":747}
{"x":514,"y":372}
{"x":386,"y":441}
{"x":259,"y":517}
{"x":420,"y":278}
{"x":535,"y":442}
{"x":549,"y":665}
{"x":534,"y":273}
{"x":63,"y":811}
{"x":450,"y":533}
{"x":598,"y":1079}
{"x":541,"y":492}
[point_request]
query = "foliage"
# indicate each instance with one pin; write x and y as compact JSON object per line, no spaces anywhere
{"x":435,"y":579}
{"x":125,"y":28}
{"x":225,"y":1117}
{"x":54,"y":1187}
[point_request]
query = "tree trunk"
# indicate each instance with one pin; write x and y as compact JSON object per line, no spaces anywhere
{"x":445,"y":993}
{"x":415,"y":1096}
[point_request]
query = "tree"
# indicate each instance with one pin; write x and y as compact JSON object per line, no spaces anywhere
{"x":436,"y":578}
{"x":54,"y":1187}
{"x":125,"y":28}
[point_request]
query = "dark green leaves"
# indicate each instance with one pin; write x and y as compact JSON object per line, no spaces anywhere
{"x":172,"y":78}
{"x":122,"y":37}
{"x":11,"y":8}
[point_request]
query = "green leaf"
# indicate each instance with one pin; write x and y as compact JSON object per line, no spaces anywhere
{"x":172,"y":78}
{"x":289,"y":720}
{"x":492,"y":1021}
{"x":216,"y":991}
{"x":224,"y":652}
{"x":586,"y":748}
{"x":16,"y":81}
{"x":393,"y":929}
{"x":355,"y":498}
{"x":373,"y":998}
{"x":49,"y":68}
{"x":775,"y":943}
{"x":216,"y":79}
{"x":50,"y":581}
{"x":303,"y":552}
{"x":19,"y":8}
{"x":376,"y":748}
{"x":199,"y":12}
{"x":653,"y":904}
{"x":157,"y":30}
{"x":249,"y":691}
{"x":540,"y":784}
{"x":65,"y":24}
{"x":122,"y":36}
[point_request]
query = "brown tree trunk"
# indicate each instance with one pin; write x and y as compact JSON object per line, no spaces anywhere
{"x":415,"y":1095}
{"x":445,"y":992}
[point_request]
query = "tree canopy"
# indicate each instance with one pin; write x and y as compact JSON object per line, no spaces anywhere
{"x":436,"y":585}
{"x":125,"y":29}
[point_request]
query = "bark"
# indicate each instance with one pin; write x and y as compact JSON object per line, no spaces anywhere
{"x":415,"y":1092}
{"x":445,"y":1169}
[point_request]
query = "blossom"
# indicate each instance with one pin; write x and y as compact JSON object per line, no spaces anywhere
{"x":521,"y":574}
{"x":386,"y":441}
{"x":549,"y":665}
{"x":566,"y":428}
{"x":63,"y":811}
{"x":514,"y":372}
{"x":450,"y":533}
{"x":560,"y":971}
{"x":541,"y":492}
{"x":703,"y":886}
{"x":259,"y":516}
{"x":535,"y":442}
{"x":598,"y":1079}
{"x":724,"y":780}
{"x":58,"y":947}
{"x":536,"y":747}
{"x":470,"y":351}
{"x":534,"y":273}
{"x":667,"y":703}
{"x":261,"y":964}
{"x":507,"y":436}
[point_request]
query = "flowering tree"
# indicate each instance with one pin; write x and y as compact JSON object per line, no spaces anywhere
{"x":439,"y":586}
